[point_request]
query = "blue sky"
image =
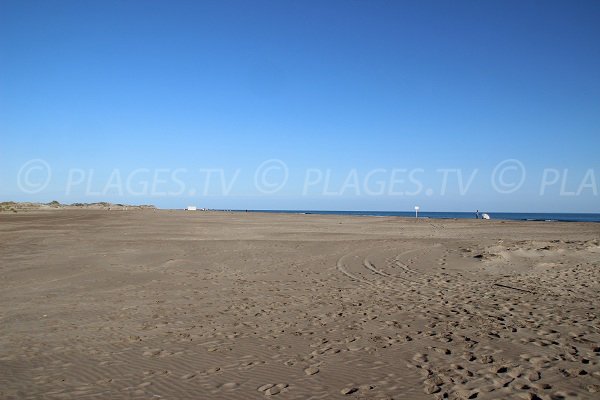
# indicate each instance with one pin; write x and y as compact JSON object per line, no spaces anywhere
{"x":337,"y":86}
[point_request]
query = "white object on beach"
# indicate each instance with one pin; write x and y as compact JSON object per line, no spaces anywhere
{"x":191,"y":208}
{"x":416,"y":211}
{"x":485,"y":216}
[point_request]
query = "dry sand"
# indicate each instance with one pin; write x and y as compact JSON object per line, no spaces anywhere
{"x":192,"y":305}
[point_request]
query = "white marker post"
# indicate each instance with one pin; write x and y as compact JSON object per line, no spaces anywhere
{"x":416,"y":211}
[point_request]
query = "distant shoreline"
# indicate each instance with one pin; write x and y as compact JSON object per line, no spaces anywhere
{"x":504,"y":216}
{"x":12,"y":206}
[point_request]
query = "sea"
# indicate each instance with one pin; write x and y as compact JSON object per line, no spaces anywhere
{"x":561,"y":217}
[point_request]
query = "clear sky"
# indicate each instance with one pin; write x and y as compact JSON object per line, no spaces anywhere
{"x":335,"y":90}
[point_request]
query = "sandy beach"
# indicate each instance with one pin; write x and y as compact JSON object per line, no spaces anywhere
{"x":153,"y":304}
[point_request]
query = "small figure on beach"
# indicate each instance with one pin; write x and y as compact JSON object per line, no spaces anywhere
{"x":477,"y":214}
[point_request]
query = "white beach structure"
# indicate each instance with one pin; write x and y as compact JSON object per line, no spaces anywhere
{"x":191,"y":208}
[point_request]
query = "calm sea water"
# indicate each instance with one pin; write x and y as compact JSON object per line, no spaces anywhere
{"x":565,"y":217}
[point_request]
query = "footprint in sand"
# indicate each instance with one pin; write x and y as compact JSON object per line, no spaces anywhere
{"x":271,"y":389}
{"x":311,"y":370}
{"x":249,"y":364}
{"x":466,"y":393}
{"x":152,"y":352}
{"x":212,"y":370}
{"x":349,"y":390}
{"x":230,"y":385}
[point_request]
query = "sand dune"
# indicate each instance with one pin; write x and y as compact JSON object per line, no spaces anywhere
{"x":179,"y":305}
